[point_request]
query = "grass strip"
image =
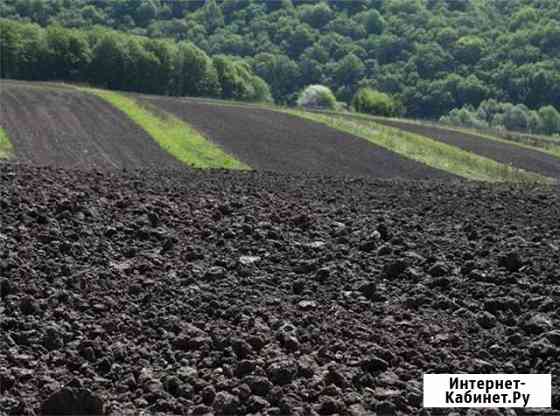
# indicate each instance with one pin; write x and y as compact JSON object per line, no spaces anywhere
{"x":6,"y":148}
{"x":172,"y":134}
{"x":544,"y":145}
{"x":428,"y":151}
{"x":548,"y":145}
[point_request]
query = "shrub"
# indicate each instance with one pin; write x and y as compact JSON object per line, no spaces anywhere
{"x":317,"y":96}
{"x":370,"y":101}
{"x":550,"y":120}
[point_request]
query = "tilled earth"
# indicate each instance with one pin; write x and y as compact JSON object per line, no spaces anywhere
{"x":521,"y":157}
{"x":275,"y":141}
{"x":196,"y":293}
{"x":50,"y":124}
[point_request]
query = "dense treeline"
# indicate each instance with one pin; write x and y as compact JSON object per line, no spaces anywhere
{"x":496,"y":115}
{"x":114,"y":60}
{"x":430,"y":55}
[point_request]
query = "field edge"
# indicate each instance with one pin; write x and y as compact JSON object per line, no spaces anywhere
{"x":445,"y":157}
{"x":173,"y":135}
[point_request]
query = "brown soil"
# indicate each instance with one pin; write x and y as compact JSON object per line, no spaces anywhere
{"x":65,"y":128}
{"x":531,"y":160}
{"x":269,"y":140}
{"x":199,"y":293}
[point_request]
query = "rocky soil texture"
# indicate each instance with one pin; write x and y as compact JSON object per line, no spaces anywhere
{"x":194,"y":293}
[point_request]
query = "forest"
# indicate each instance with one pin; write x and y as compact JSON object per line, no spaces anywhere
{"x":118,"y":61}
{"x":432,"y":56}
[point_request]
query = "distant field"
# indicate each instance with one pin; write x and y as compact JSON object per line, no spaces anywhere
{"x":272,"y":140}
{"x":431,"y":152}
{"x":172,"y":134}
{"x":64,"y":127}
{"x":77,"y":127}
{"x":520,"y":156}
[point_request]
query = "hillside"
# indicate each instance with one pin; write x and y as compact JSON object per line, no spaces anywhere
{"x":271,"y":140}
{"x":432,"y":55}
{"x":67,"y":126}
{"x":61,"y":127}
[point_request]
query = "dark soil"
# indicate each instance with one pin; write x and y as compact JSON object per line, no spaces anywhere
{"x":274,"y":141}
{"x":195,"y":293}
{"x":67,"y":128}
{"x":517,"y":156}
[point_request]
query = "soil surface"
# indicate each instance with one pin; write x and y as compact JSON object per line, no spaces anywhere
{"x":274,"y":141}
{"x":67,"y":128}
{"x":517,"y":156}
{"x":196,"y":293}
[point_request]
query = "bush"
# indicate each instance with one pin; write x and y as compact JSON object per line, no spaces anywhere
{"x":550,"y":120}
{"x":370,"y":101}
{"x":317,"y":96}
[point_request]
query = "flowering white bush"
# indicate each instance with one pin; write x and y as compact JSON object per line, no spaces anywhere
{"x":317,"y":96}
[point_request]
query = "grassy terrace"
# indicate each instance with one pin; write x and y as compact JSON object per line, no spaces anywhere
{"x":6,"y":148}
{"x":430,"y":152}
{"x":172,"y":134}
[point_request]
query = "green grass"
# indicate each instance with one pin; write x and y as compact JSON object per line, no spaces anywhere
{"x":172,"y":134}
{"x":6,"y":148}
{"x":544,"y":144}
{"x":428,"y":151}
{"x":549,"y":145}
{"x":541,"y":144}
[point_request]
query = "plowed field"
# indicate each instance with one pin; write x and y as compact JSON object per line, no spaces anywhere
{"x":67,"y":128}
{"x":517,"y":156}
{"x":270,"y":140}
{"x":199,"y":293}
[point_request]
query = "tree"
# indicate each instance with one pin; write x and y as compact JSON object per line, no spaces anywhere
{"x":430,"y":60}
{"x":471,"y":90}
{"x":146,"y":13}
{"x":550,"y":119}
{"x":372,"y":21}
{"x":350,"y":70}
{"x":69,"y":53}
{"x":211,"y":16}
{"x":469,"y":49}
{"x":317,"y":15}
{"x":370,"y":101}
{"x":317,"y":96}
{"x":280,"y":72}
{"x":516,"y":117}
{"x":10,"y":49}
{"x":523,"y":18}
{"x":195,"y":72}
{"x":233,"y":85}
{"x":108,"y":53}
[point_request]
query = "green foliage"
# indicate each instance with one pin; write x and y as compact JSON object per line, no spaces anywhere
{"x":374,"y":102}
{"x":6,"y":148}
{"x":372,"y":21}
{"x":493,"y":114}
{"x":432,"y":55}
{"x":550,"y":120}
{"x":238,"y":83}
{"x":118,"y":61}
